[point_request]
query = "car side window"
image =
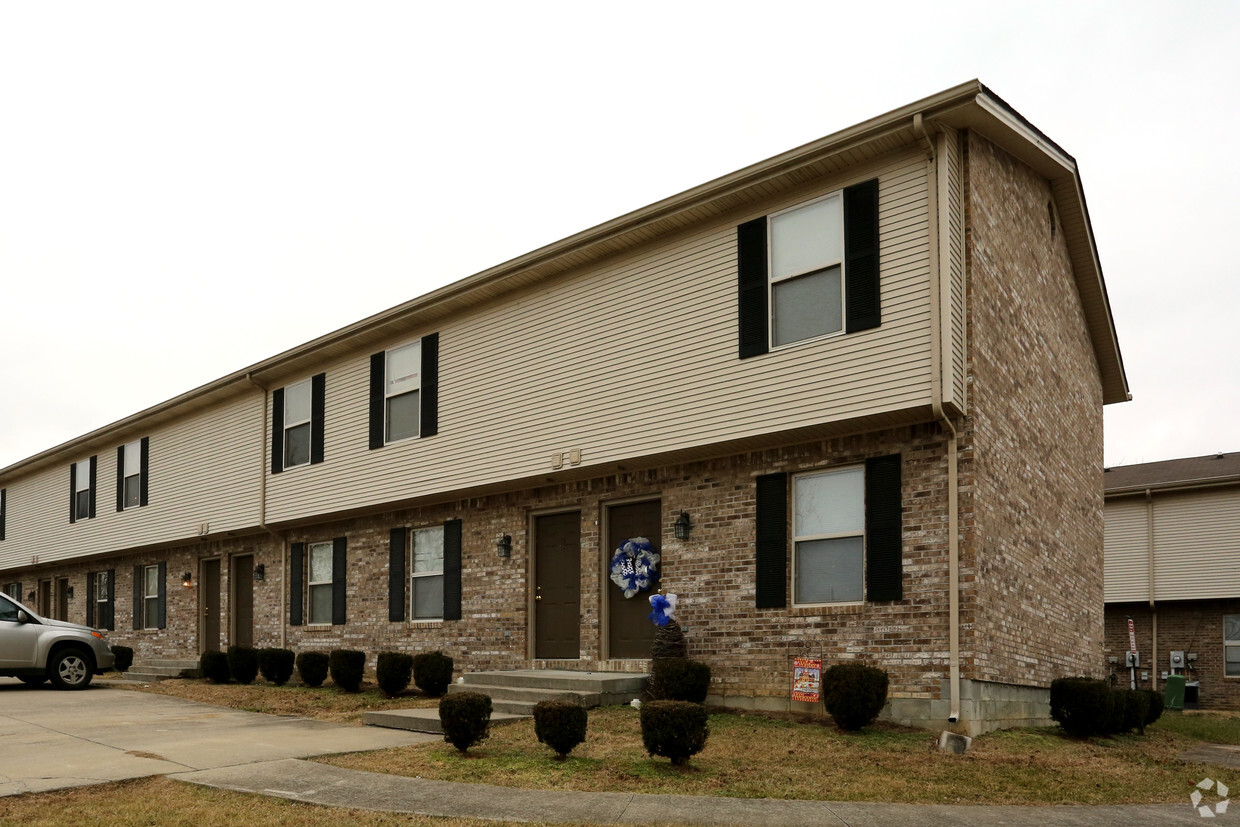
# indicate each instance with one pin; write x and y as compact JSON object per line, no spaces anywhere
{"x":8,"y":611}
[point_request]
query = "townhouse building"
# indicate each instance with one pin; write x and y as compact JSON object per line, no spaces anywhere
{"x":851,"y":395}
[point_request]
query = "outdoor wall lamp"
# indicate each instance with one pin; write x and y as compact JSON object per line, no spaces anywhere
{"x":683,"y":526}
{"x":187,"y":580}
{"x":30,"y":597}
{"x":260,"y":572}
{"x":69,"y":593}
{"x":503,"y":545}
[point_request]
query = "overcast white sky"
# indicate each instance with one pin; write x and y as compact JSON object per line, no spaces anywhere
{"x":187,"y":189}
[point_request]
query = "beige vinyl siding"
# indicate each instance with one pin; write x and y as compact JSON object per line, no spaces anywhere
{"x":1127,"y":571}
{"x":1197,"y":543}
{"x":955,"y":383}
{"x":203,"y":468}
{"x":625,"y":358}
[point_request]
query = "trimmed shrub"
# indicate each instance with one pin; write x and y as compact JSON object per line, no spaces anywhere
{"x":1082,"y":706}
{"x":1136,"y":707}
{"x":560,"y":725}
{"x":674,"y":729}
{"x":1156,"y":705}
{"x":312,"y":667}
{"x":854,"y":694}
{"x":215,"y":667}
{"x":393,"y":672}
{"x":243,"y":663}
{"x":347,"y":667}
{"x":466,"y":719}
{"x":124,"y":658}
{"x":432,"y":672}
{"x":680,"y":679}
{"x":276,"y":665}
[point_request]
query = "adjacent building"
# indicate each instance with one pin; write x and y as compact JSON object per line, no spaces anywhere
{"x":852,"y":395}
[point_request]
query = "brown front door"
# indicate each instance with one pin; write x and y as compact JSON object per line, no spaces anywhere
{"x":62,"y":599}
{"x":45,"y":598}
{"x":243,"y":600}
{"x":557,"y":586}
{"x":630,"y":632}
{"x":209,"y":599}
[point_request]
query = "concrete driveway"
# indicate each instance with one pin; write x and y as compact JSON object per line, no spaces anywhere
{"x":51,"y":739}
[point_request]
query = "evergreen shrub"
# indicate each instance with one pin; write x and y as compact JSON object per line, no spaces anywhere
{"x":1083,"y":706}
{"x":215,"y":667}
{"x":560,"y":724}
{"x":1156,"y":706}
{"x":854,"y":694}
{"x":243,"y":663}
{"x":466,"y":719}
{"x":276,"y":665}
{"x":346,"y":667}
{"x":312,"y":667}
{"x":393,"y":672}
{"x":432,"y":672}
{"x":674,"y":729}
{"x":124,"y":658}
{"x":680,"y":679}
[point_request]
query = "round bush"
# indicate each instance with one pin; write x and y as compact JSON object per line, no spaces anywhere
{"x":393,"y":672}
{"x":347,"y":667}
{"x":1082,"y":706}
{"x":466,"y":719}
{"x":432,"y":672}
{"x":1156,"y":704}
{"x":674,"y":729}
{"x":124,"y":658}
{"x":680,"y":679}
{"x":276,"y":665}
{"x":560,"y":725}
{"x":854,"y":694}
{"x":312,"y":667}
{"x":243,"y":663}
{"x":215,"y":667}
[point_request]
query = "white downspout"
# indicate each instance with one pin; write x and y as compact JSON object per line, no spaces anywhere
{"x":262,"y":506}
{"x":1149,"y":534}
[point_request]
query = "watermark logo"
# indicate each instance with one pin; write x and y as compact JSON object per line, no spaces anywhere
{"x":1215,"y":789}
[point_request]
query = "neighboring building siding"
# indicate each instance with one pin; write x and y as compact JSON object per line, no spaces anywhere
{"x":204,"y":468}
{"x":629,"y":358}
{"x":1035,"y":451}
{"x":1197,"y":544}
{"x":1127,"y":550}
{"x":952,"y":198}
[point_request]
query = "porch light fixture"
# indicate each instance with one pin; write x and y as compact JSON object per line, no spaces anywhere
{"x":683,"y":526}
{"x":187,"y":580}
{"x":69,"y":593}
{"x":260,"y":573}
{"x":503,"y":545}
{"x":30,"y":597}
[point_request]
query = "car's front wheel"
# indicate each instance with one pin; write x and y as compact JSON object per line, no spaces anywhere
{"x":70,"y":669}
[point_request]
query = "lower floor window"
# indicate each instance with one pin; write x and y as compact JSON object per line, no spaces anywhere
{"x":321,"y":583}
{"x":426,"y":577}
{"x":1231,"y":645}
{"x":828,"y":525}
{"x":150,"y":597}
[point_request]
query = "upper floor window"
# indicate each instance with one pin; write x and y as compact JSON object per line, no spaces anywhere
{"x":297,"y":423}
{"x":82,"y":489}
{"x":131,"y":474}
{"x":404,"y":392}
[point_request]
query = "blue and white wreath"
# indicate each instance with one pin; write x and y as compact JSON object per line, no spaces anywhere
{"x":635,"y":566}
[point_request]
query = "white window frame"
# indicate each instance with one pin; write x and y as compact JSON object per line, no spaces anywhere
{"x":81,"y":485}
{"x":1231,"y":643}
{"x":388,"y":395}
{"x":101,"y":592}
{"x":798,"y":538}
{"x":150,"y":619}
{"x":13,"y":590}
{"x":132,"y":470}
{"x":415,"y":575}
{"x":772,"y":279}
{"x":290,"y":424}
{"x":311,"y":584}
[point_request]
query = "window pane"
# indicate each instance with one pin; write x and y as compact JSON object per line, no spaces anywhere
{"x":133,"y":490}
{"x":806,"y":306}
{"x":321,"y":604}
{"x":402,"y":416}
{"x":428,"y":549}
{"x":297,"y":403}
{"x":82,"y":478}
{"x":133,"y":458}
{"x":403,"y":366}
{"x":829,"y":571}
{"x":807,"y":238}
{"x":321,"y":563}
{"x":297,"y":445}
{"x":151,"y":574}
{"x":152,"y":613}
{"x":101,"y":585}
{"x":1232,"y":665}
{"x":832,"y":503}
{"x":428,"y":596}
{"x":1231,"y":627}
{"x":83,"y":504}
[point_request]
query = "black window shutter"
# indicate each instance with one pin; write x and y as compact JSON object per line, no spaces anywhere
{"x":452,"y":570}
{"x":163,"y":595}
{"x":144,"y":465}
{"x":429,"y":392}
{"x":318,"y":410}
{"x":396,"y":575}
{"x":94,"y":478}
{"x":3,"y":510}
{"x":295,"y":569}
{"x":377,"y":366}
{"x":864,"y":309}
{"x":139,"y":593}
{"x":90,"y":598}
{"x":110,"y":622}
{"x":884,"y":565}
{"x":277,"y":430}
{"x":339,"y":572}
{"x":771,"y":543}
{"x":120,"y":478}
{"x":752,"y":314}
{"x":73,"y":493}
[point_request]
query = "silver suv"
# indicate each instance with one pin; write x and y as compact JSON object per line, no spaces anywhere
{"x":36,"y":649}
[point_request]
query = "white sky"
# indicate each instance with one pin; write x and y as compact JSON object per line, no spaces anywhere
{"x":187,"y":189}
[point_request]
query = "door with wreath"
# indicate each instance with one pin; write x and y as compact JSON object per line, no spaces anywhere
{"x":630,"y":632}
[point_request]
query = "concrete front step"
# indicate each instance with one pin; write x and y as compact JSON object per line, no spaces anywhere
{"x":161,"y":670}
{"x":527,"y":695}
{"x":423,"y":720}
{"x":609,"y":687}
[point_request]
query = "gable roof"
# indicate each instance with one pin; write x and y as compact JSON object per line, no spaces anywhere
{"x":1211,"y":469}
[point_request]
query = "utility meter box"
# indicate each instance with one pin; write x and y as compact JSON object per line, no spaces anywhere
{"x":1132,"y":659}
{"x":1177,"y":660}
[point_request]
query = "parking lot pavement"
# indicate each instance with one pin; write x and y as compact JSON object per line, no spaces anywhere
{"x":52,"y":739}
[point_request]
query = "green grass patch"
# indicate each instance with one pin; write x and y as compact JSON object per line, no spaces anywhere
{"x":1213,"y":728}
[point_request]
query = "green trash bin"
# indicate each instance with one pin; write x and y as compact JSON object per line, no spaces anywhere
{"x":1174,"y":696}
